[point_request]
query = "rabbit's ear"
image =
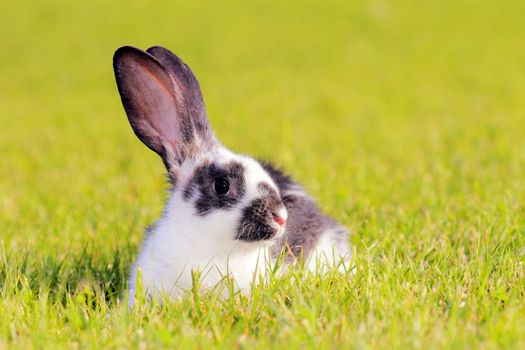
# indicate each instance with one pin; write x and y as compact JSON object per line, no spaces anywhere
{"x":158,"y":108}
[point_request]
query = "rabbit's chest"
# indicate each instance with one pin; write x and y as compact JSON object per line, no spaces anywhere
{"x":172,"y":268}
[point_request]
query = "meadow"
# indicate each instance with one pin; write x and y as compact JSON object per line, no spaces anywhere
{"x":406,"y":119}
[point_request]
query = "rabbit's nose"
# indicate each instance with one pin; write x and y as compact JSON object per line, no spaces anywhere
{"x":280,"y":217}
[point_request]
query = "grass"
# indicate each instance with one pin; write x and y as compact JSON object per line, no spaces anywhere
{"x":405,"y":119}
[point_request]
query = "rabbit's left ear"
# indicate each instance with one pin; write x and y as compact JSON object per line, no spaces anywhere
{"x":163,"y":109}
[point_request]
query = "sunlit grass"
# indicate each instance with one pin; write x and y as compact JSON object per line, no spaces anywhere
{"x":405,"y":119}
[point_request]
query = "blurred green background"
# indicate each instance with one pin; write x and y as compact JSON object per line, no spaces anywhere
{"x":404,"y":118}
{"x":370,"y":103}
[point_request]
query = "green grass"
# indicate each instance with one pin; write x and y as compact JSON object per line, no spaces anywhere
{"x":405,"y":119}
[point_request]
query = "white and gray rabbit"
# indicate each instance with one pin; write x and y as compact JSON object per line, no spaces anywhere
{"x":227,"y":213}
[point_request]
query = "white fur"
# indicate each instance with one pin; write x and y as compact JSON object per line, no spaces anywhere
{"x":327,"y":253}
{"x":181,"y":241}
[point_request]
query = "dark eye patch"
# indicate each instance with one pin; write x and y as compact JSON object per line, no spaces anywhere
{"x":203,"y":186}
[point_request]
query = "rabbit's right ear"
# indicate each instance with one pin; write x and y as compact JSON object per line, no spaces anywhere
{"x":156,"y":107}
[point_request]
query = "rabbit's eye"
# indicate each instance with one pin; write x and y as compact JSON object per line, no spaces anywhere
{"x":221,"y":185}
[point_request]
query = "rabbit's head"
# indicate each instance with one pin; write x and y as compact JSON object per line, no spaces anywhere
{"x":215,"y":191}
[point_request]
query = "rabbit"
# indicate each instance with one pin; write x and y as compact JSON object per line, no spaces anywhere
{"x":226,"y":213}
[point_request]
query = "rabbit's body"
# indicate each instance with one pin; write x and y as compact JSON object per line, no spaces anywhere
{"x":227,"y":214}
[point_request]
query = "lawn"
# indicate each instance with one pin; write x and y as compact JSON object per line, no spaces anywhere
{"x":406,"y":119}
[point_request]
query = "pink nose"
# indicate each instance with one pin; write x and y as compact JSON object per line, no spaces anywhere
{"x":279,"y":220}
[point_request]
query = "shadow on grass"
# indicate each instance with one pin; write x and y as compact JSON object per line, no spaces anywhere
{"x":62,"y":279}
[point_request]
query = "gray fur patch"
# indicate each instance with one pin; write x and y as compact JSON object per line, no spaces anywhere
{"x":258,"y":216}
{"x":306,"y":223}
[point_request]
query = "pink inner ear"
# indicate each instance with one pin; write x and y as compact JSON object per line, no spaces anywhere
{"x":152,"y":96}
